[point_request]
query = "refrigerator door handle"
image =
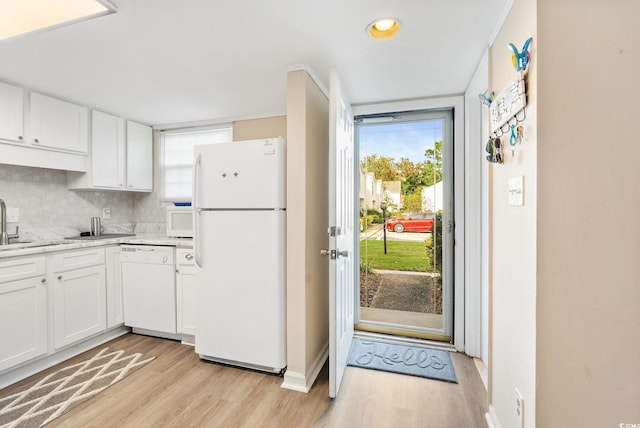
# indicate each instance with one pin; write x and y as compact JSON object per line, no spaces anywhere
{"x":196,"y":211}
{"x":196,"y":239}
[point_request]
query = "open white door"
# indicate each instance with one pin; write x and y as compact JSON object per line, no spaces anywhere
{"x":341,"y":230}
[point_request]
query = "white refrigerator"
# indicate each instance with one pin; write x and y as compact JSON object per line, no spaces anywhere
{"x":239,"y":198}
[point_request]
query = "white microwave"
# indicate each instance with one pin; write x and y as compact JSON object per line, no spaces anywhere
{"x":180,"y":222}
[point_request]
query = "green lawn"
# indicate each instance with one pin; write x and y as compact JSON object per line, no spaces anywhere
{"x":407,"y":256}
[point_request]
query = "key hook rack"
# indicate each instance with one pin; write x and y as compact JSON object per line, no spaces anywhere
{"x":520,"y":117}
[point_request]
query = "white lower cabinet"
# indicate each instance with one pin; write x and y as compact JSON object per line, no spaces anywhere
{"x":186,"y":296}
{"x":23,"y":310}
{"x":79,"y":295}
{"x":115,"y":307}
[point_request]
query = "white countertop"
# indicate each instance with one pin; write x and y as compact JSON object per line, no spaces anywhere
{"x":48,"y":246}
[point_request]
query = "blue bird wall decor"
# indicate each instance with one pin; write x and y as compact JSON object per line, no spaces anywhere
{"x":487,"y":99}
{"x":520,"y":60}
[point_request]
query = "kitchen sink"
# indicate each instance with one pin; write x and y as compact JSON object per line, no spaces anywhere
{"x":102,"y":236}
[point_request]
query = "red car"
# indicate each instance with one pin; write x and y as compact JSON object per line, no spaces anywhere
{"x":417,"y":222}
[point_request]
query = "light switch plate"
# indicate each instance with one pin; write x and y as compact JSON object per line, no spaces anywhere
{"x":516,"y":191}
{"x":106,"y":213}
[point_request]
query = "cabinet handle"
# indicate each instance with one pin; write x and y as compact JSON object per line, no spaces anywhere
{"x":59,"y":276}
{"x":188,"y":256}
{"x":20,"y":137}
{"x":35,"y":140}
{"x":43,"y":280}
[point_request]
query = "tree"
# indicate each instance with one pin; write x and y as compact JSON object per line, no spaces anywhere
{"x":406,"y":168}
{"x":382,"y":167}
{"x":432,"y":167}
{"x":412,"y":174}
{"x":413,"y":202}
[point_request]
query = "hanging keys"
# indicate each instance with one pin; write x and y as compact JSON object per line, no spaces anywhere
{"x":520,"y":133}
{"x":513,"y":140}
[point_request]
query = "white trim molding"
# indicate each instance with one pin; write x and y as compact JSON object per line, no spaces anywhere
{"x":456,"y":102}
{"x":492,"y":418}
{"x":475,"y":222}
{"x":301,"y":383}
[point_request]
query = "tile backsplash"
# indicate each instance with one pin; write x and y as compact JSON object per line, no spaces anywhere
{"x":43,"y":200}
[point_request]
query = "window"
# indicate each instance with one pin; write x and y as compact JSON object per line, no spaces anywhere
{"x":177,"y":159}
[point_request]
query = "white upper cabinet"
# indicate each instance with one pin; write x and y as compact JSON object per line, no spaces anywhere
{"x":57,"y":124}
{"x":11,"y":112}
{"x":107,"y":150}
{"x":121,"y":156}
{"x":139,"y":157}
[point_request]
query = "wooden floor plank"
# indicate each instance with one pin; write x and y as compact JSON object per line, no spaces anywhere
{"x":177,"y":389}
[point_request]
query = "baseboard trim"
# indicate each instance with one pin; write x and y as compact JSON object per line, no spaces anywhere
{"x":294,"y":381}
{"x":300,"y":382}
{"x":492,"y":418}
{"x":483,"y":372}
{"x":57,"y":357}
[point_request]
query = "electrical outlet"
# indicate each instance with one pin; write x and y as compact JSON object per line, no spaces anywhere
{"x":519,"y":408}
{"x":106,"y":213}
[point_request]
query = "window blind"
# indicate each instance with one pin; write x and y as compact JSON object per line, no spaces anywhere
{"x":177,"y":159}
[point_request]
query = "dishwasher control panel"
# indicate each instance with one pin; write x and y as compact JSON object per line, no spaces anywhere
{"x":148,"y":254}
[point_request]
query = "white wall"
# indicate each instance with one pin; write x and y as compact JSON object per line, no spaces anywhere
{"x":513,"y":238}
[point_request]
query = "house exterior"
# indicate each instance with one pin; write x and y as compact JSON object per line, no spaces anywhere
{"x":370,"y":191}
{"x":432,"y":198}
{"x":393,"y":194}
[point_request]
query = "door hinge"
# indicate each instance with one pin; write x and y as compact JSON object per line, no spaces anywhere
{"x":334,"y":231}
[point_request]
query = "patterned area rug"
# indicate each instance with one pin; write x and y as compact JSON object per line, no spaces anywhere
{"x":55,"y":394}
{"x":404,"y":359}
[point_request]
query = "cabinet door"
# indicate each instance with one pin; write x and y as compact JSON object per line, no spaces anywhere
{"x":107,"y":150}
{"x":23,"y":316}
{"x":139,"y":157}
{"x":57,"y":124}
{"x":11,"y":113}
{"x":115,"y":310}
{"x":185,"y":287}
{"x":79,"y":308}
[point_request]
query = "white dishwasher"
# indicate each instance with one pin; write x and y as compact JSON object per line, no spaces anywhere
{"x":149,"y":289}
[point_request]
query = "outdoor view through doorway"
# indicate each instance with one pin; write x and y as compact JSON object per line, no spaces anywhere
{"x":404,"y":200}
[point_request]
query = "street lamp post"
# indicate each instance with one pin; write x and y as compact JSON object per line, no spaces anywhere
{"x":383,"y":207}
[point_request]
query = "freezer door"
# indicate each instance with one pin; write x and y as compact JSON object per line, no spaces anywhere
{"x":242,"y":174}
{"x":240,"y":287}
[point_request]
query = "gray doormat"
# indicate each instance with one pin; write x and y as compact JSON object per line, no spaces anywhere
{"x":403,"y":359}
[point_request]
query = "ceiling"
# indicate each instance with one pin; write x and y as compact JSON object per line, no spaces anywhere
{"x":175,"y":61}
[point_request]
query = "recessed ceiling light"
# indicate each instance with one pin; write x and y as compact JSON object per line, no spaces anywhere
{"x":25,"y":16}
{"x":384,"y":28}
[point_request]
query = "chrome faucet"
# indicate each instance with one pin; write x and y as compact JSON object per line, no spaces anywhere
{"x":4,"y":236}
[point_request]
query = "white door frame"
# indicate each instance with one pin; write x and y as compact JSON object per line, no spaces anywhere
{"x":476,"y":219}
{"x":457,"y":104}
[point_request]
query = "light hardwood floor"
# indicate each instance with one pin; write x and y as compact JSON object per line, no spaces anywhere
{"x":179,"y":390}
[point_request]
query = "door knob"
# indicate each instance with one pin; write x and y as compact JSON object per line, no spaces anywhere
{"x":343,"y":253}
{"x":325,"y":252}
